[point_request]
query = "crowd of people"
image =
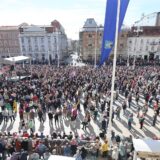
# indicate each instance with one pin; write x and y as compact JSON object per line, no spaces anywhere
{"x":24,"y":146}
{"x":62,"y":93}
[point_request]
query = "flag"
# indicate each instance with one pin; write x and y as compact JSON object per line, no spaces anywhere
{"x":110,"y":26}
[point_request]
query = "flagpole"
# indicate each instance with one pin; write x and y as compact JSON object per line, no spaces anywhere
{"x":49,"y":63}
{"x":95,"y":55}
{"x":57,"y":48}
{"x":113,"y":73}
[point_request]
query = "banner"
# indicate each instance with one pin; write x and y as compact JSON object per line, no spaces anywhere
{"x":110,"y":26}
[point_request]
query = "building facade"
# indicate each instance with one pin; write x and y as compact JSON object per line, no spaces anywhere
{"x":9,"y":41}
{"x":43,"y":42}
{"x":122,"y":50}
{"x":144,"y":42}
{"x":90,"y":40}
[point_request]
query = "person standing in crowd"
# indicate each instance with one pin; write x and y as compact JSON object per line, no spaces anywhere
{"x":130,"y":121}
{"x":56,"y":119}
{"x":95,"y":114}
{"x":124,"y":106}
{"x":129,"y":100}
{"x":97,"y":147}
{"x":105,"y":149}
{"x":154,"y":118}
{"x":85,"y":123}
{"x":117,"y":112}
{"x":32,"y":115}
{"x":122,"y":151}
{"x":21,"y":112}
{"x":141,"y":121}
{"x":104,"y":125}
{"x":31,"y":125}
{"x":137,"y":99}
{"x":40,"y":115}
{"x":50,"y":116}
{"x":41,"y":149}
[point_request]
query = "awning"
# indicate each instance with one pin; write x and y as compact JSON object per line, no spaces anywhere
{"x":17,"y":59}
{"x":147,"y":148}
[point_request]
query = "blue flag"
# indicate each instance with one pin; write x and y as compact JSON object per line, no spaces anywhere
{"x":110,"y":26}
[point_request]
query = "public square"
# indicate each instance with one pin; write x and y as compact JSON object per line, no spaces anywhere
{"x":80,"y":80}
{"x":120,"y":127}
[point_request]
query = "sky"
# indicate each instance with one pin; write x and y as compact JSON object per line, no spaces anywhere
{"x":70,"y":13}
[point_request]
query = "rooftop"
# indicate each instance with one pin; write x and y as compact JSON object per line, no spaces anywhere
{"x":4,"y":28}
{"x":90,"y":23}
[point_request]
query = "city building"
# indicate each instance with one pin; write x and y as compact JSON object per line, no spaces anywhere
{"x":9,"y":41}
{"x":70,"y":46}
{"x":90,"y":40}
{"x":43,"y":42}
{"x":144,"y":37}
{"x":122,"y":50}
{"x":144,"y":42}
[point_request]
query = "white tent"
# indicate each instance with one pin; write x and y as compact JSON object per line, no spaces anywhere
{"x":146,"y":148}
{"x":17,"y":59}
{"x":55,"y":157}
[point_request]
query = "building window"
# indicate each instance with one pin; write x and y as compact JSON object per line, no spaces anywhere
{"x":121,"y":45}
{"x":90,"y":21}
{"x":49,"y":39}
{"x":23,"y":48}
{"x":152,"y":48}
{"x":89,"y":45}
{"x":141,"y":41}
{"x":30,"y":49}
{"x":43,"y":57}
{"x":49,"y":47}
{"x":130,"y":41}
{"x":22,"y":39}
{"x":42,"y":40}
{"x":35,"y":39}
{"x":100,"y":34}
{"x":90,"y":36}
{"x":29,"y":40}
{"x":42,"y":48}
{"x":36,"y":48}
{"x":146,"y":48}
{"x":55,"y":40}
{"x":122,"y":35}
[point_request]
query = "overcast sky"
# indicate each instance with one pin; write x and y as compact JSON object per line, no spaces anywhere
{"x":70,"y":13}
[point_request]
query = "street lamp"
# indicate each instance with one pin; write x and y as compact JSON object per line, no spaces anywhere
{"x":95,"y":55}
{"x":57,"y":33}
{"x":138,"y":30}
{"x":9,"y":52}
{"x":49,"y":63}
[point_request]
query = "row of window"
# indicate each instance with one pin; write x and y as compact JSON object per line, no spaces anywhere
{"x":91,"y":35}
{"x":8,"y":35}
{"x":36,"y":39}
{"x":9,"y":43}
{"x":152,"y":48}
{"x":36,"y":49}
{"x":154,"y":42}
